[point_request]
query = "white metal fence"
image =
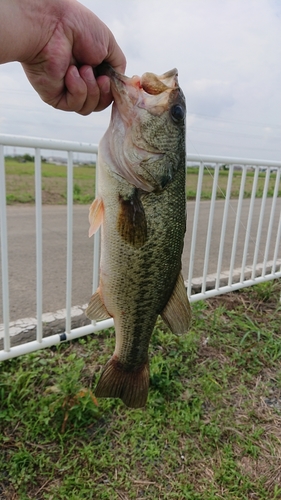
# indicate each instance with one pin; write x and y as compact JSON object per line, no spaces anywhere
{"x":255,"y":216}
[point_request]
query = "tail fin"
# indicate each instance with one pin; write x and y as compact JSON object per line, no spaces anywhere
{"x":130,"y":386}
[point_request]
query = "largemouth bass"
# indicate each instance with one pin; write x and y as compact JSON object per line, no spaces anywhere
{"x":141,"y":208}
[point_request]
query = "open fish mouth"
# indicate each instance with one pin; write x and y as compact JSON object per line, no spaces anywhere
{"x":148,"y":91}
{"x":149,"y":82}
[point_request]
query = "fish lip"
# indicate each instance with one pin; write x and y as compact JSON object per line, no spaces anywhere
{"x":167,"y":81}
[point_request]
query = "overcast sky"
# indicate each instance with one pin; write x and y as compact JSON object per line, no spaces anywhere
{"x":228,"y":54}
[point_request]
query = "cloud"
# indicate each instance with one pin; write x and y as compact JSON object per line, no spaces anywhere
{"x":210,"y":97}
{"x":228,"y":55}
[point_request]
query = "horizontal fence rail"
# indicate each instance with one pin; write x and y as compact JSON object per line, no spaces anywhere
{"x":238,"y":221}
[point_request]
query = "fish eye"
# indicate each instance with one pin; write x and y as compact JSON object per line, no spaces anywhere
{"x":177,"y":113}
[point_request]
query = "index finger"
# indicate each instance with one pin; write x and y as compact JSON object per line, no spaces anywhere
{"x":115,"y":56}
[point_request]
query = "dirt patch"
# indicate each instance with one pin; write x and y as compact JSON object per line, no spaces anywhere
{"x":52,"y":198}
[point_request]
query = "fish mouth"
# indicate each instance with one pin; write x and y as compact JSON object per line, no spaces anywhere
{"x":152,"y":84}
{"x":149,"y":91}
{"x":131,"y":144}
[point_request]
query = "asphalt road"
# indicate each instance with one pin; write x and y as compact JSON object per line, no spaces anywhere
{"x":22,"y":256}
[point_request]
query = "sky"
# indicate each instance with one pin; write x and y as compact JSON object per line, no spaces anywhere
{"x":228,"y":56}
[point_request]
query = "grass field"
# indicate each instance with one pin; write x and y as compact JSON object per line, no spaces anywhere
{"x":20,"y":183}
{"x":211,"y":428}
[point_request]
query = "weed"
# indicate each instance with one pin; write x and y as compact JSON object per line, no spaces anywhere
{"x":210,"y":429}
{"x":76,"y":190}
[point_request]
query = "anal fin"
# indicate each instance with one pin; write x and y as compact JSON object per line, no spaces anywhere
{"x":96,"y":309}
{"x":129,"y":385}
{"x":177,"y":313}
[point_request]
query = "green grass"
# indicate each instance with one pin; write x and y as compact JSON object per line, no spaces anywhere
{"x":20,"y":183}
{"x":211,"y":428}
{"x":20,"y":186}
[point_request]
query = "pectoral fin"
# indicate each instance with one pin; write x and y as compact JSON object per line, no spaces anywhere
{"x":96,"y":309}
{"x":96,"y":216}
{"x":132,"y":221}
{"x":177,"y":313}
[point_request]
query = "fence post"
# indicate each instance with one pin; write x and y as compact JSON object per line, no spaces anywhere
{"x":237,"y":223}
{"x":69,"y":241}
{"x":39,"y":273}
{"x":224,"y":223}
{"x":249,"y":223}
{"x":4,"y":251}
{"x":194,"y":228}
{"x":257,"y":248}
{"x":268,"y":236}
{"x":210,"y":227}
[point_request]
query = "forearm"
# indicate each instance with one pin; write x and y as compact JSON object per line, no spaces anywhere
{"x":25,"y":27}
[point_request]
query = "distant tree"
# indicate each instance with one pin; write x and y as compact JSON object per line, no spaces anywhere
{"x":28,"y":157}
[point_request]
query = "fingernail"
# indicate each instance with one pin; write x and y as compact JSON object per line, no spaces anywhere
{"x":75,"y":72}
{"x":89,"y":75}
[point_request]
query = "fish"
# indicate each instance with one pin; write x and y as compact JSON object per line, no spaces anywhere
{"x":141,"y":209}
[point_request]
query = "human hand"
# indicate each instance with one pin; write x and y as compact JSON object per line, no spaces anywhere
{"x":62,"y":72}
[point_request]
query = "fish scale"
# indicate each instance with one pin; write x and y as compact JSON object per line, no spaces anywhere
{"x":143,"y":226}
